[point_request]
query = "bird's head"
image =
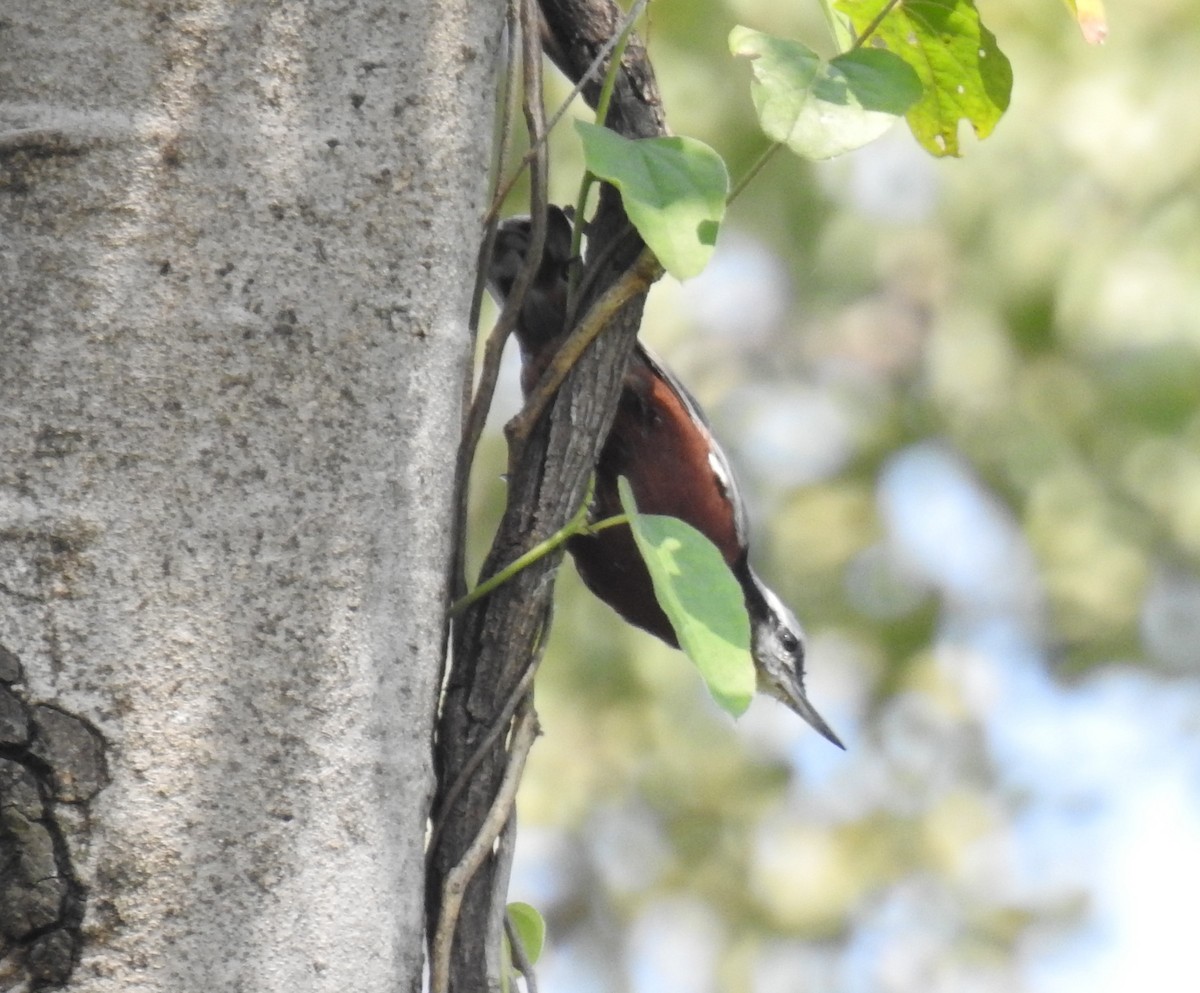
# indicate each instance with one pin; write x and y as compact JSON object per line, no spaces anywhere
{"x":544,"y":308}
{"x":511,"y":247}
{"x":777,"y":644}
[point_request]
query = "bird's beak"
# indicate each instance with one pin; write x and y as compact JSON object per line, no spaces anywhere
{"x":795,"y":699}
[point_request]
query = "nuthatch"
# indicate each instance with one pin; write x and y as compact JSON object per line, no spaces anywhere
{"x":661,"y":442}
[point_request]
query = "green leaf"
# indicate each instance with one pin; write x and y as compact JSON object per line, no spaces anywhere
{"x":962,"y":71}
{"x":530,"y":927}
{"x":673,"y":189}
{"x":821,"y":109}
{"x":879,"y":80}
{"x":702,"y":599}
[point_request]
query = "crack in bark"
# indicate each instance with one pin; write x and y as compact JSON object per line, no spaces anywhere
{"x":48,"y":757}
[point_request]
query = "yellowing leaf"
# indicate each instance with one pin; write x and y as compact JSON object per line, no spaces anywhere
{"x":962,"y":71}
{"x":1092,"y":20}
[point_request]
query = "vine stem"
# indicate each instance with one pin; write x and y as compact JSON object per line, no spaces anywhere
{"x":502,"y":194}
{"x":526,"y":15}
{"x":644,"y":271}
{"x":835,"y":27}
{"x":499,"y":726}
{"x":461,"y":875}
{"x":753,"y":171}
{"x":578,"y":525}
{"x":843,"y":37}
{"x":589,"y":178}
{"x":520,"y":958}
{"x":871,"y":28}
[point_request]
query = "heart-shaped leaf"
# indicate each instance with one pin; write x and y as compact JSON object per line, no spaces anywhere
{"x":530,"y":927}
{"x":702,"y":599}
{"x":963,"y":73}
{"x":821,"y":109}
{"x":673,"y":189}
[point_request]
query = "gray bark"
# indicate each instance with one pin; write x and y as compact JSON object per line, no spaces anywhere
{"x":236,"y":250}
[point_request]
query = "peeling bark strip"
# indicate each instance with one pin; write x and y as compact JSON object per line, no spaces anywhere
{"x":497,"y":639}
{"x":48,"y":758}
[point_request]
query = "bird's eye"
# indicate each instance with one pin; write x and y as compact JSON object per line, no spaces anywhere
{"x":789,"y":641}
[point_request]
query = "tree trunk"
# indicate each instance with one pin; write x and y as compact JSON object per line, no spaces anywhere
{"x":238,"y":246}
{"x":500,"y":638}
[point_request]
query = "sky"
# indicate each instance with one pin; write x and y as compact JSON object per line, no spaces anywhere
{"x":1110,"y":766}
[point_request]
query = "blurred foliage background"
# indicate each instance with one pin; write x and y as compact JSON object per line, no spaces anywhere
{"x":963,"y":397}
